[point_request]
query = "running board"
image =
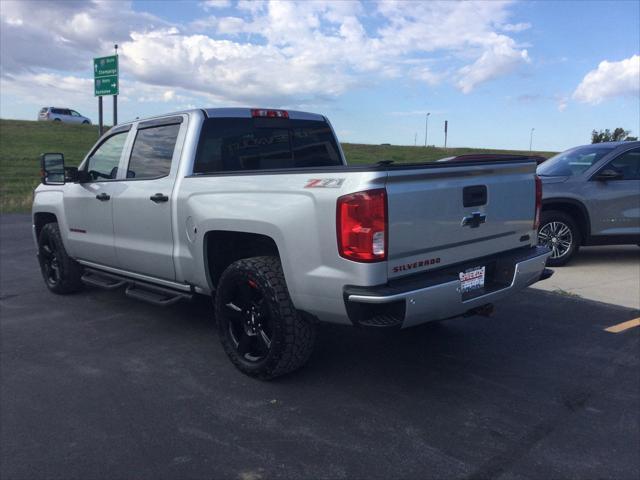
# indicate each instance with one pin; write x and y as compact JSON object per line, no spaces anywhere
{"x":107,"y":281}
{"x":160,"y":296}
{"x":147,"y":292}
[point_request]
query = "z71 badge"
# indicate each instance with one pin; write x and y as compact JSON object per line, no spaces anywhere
{"x":324,"y":183}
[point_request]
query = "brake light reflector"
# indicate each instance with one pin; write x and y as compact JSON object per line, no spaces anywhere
{"x":361,"y":221}
{"x":269,"y":113}
{"x":536,"y":221}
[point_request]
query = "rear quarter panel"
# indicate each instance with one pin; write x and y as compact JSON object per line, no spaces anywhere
{"x":301,"y":221}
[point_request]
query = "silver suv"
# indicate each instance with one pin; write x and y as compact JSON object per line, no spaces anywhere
{"x":591,"y":196}
{"x":55,"y":114}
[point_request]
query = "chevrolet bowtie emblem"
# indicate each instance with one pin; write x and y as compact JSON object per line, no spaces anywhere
{"x":474,"y":220}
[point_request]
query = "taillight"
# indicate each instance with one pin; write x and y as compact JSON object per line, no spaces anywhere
{"x":362,"y":226}
{"x":269,"y":113}
{"x":536,"y":221}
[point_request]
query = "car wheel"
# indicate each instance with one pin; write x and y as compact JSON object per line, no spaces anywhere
{"x":560,"y":233}
{"x":86,"y":122}
{"x":61,"y":273}
{"x":260,"y":329}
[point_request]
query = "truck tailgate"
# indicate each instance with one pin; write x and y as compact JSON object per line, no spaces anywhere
{"x":443,"y":215}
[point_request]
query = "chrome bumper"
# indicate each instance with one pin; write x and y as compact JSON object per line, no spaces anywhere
{"x":445,"y":300}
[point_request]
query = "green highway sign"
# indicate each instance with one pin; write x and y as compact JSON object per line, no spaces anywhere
{"x":105,"y":66}
{"x":105,"y":86}
{"x":105,"y":75}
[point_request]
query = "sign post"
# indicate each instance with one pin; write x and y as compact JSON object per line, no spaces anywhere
{"x":105,"y":82}
{"x":446,"y":127}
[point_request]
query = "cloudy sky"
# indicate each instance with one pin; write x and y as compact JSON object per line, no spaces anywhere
{"x":494,"y":69}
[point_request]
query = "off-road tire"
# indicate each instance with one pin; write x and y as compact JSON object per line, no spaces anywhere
{"x":293,"y":336}
{"x":576,"y":238}
{"x":68,"y":270}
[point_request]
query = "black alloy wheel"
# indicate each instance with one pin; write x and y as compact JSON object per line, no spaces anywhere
{"x":262,"y":332}
{"x":50,"y":262}
{"x":250,"y":327}
{"x":61,"y":273}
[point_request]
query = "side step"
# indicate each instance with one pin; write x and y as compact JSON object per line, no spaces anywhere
{"x":104,"y":280}
{"x":147,"y":292}
{"x":159,"y":296}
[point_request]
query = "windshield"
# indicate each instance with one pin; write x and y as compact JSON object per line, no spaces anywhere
{"x":574,"y":161}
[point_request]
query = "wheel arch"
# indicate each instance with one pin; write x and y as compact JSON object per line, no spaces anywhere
{"x":223,"y":247}
{"x":575,"y":209}
{"x":40,"y":219}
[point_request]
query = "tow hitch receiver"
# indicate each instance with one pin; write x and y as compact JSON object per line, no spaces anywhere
{"x":485,"y":310}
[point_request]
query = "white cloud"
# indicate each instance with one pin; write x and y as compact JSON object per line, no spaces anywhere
{"x":500,"y":57}
{"x":276,"y":53}
{"x":515,"y":27}
{"x":562,"y":102}
{"x":65,"y":35}
{"x":209,"y":4}
{"x":609,"y":80}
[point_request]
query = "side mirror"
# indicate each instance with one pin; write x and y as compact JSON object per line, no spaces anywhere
{"x":52,"y":166}
{"x":608,"y":174}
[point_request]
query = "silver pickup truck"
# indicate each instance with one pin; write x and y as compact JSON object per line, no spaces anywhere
{"x":259,"y":210}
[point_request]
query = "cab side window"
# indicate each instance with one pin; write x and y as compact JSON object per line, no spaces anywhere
{"x":152,"y":152}
{"x":628,"y":164}
{"x":103,"y":163}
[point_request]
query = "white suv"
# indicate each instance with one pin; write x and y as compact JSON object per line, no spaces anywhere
{"x":54,"y":114}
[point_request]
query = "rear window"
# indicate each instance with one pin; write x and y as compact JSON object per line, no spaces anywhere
{"x":237,"y":144}
{"x":44,"y":109}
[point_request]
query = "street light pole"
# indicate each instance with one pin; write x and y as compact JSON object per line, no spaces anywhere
{"x":531,"y":139}
{"x":426,"y":130}
{"x":115,"y":97}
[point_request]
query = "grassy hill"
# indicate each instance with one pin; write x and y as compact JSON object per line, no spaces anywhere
{"x":22,"y":142}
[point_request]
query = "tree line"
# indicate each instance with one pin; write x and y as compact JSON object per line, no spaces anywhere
{"x":618,"y":135}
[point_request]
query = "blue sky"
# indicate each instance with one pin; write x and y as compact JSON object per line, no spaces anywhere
{"x":494,"y":70}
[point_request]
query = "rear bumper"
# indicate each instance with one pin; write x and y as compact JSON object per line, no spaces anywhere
{"x":436,"y":295}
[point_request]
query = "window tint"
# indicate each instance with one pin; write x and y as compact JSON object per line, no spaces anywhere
{"x":233,"y":144}
{"x":57,"y":111}
{"x":43,"y":110}
{"x":103,"y":164}
{"x":74,"y":113}
{"x":575,"y":161}
{"x":152,"y":152}
{"x":315,"y":146}
{"x":628,"y":164}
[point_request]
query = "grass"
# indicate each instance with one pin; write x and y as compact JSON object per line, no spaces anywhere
{"x":358,"y":154}
{"x":22,"y":142}
{"x":566,"y":293}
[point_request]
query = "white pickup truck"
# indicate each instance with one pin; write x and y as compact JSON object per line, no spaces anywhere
{"x":259,"y":210}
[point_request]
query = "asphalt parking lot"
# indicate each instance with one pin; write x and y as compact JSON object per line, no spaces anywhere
{"x":97,"y":385}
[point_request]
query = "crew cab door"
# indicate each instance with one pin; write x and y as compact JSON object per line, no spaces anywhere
{"x":614,"y":204}
{"x":88,"y":206}
{"x":142,"y":212}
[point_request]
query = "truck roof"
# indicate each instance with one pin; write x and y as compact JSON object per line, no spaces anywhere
{"x":231,"y":112}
